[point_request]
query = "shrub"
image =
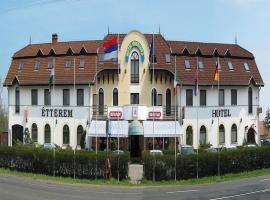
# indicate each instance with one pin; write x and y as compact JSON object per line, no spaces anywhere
{"x":234,"y":161}
{"x":87,"y":164}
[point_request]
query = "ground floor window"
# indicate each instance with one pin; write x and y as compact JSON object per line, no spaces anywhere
{"x":66,"y":135}
{"x":112,"y":143}
{"x":34,"y":132}
{"x":47,"y":134}
{"x":234,"y":134}
{"x":202,"y":135}
{"x":221,"y":134}
{"x":161,"y":143}
{"x":189,"y":135}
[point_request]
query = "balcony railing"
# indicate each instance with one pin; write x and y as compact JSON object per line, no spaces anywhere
{"x":99,"y":112}
{"x":170,"y":112}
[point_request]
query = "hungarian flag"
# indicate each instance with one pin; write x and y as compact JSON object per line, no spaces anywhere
{"x":216,"y":75}
{"x":110,"y":49}
{"x":176,"y":78}
{"x":52,"y":77}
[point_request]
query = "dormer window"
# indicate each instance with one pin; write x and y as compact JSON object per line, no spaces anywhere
{"x":230,"y":66}
{"x":50,"y":63}
{"x":168,"y":58}
{"x":200,"y":64}
{"x":82,"y":63}
{"x":37,"y":65}
{"x":21,"y":65}
{"x":187,"y":64}
{"x":68,"y":64}
{"x":246,"y":66}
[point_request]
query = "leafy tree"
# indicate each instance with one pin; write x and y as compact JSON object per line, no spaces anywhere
{"x":267,"y":119}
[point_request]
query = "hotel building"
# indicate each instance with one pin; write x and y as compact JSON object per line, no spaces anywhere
{"x":133,"y":99}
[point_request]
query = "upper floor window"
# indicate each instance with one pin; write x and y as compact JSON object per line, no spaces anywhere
{"x":154,"y":97}
{"x":34,"y":97}
{"x":246,"y":66}
{"x":82,"y":63}
{"x":17,"y":100}
{"x":80,"y":97}
{"x":115,"y":97}
{"x":47,"y":97}
{"x":187,"y":64}
{"x":230,"y":65}
{"x":37,"y":65}
{"x":233,"y":97}
{"x":221,"y":99}
{"x":250,"y":103}
{"x":66,"y":97}
{"x":134,"y":98}
{"x":189,"y":97}
{"x":134,"y":72}
{"x":21,"y":65}
{"x":68,"y":64}
{"x":202,"y":97}
{"x":200,"y":64}
{"x":168,"y":58}
{"x":50,"y":63}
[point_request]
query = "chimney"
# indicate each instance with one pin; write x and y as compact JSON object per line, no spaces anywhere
{"x":54,"y":38}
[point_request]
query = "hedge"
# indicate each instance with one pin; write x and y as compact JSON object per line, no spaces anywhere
{"x":87,"y":164}
{"x":234,"y":161}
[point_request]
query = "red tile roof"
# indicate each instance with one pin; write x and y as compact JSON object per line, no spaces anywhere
{"x":87,"y":50}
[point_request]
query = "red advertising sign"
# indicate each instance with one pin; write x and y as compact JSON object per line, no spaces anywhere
{"x":115,"y":114}
{"x":154,"y":115}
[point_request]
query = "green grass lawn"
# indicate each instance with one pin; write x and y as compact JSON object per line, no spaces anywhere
{"x":212,"y":179}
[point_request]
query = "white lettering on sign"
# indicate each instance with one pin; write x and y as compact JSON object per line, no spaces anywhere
{"x":154,"y":115}
{"x":115,"y":114}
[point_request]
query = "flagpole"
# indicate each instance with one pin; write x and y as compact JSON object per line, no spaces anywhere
{"x":218,"y":120}
{"x":175,"y":119}
{"x":74,"y":79}
{"x":153,"y":103}
{"x":118,"y":66}
{"x":54,"y":120}
{"x":197,"y":88}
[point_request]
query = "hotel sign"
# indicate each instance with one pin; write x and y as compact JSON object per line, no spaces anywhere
{"x":154,"y":115}
{"x":115,"y":114}
{"x":131,"y":46}
{"x":55,"y":112}
{"x":221,"y":113}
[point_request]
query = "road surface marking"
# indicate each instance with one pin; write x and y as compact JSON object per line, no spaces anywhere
{"x":266,"y":179}
{"x":243,"y":194}
{"x":182,"y":191}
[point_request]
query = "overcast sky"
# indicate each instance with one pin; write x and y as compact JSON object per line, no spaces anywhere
{"x":206,"y":21}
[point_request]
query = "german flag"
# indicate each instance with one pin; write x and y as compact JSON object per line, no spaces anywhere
{"x":216,"y":75}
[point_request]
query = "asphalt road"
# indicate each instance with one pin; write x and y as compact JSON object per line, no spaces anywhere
{"x":21,"y":188}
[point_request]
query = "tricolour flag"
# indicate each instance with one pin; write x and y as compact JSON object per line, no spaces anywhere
{"x":216,"y":75}
{"x":151,"y":54}
{"x":196,"y":81}
{"x":176,"y":78}
{"x":110,"y":49}
{"x":52,"y":77}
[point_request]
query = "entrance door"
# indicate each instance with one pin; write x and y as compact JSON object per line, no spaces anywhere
{"x":17,"y":134}
{"x":251,"y":136}
{"x":135,"y":150}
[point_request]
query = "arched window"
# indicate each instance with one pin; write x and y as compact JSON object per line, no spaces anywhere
{"x":168,"y":102}
{"x":221,"y":134}
{"x":115,"y":97}
{"x":154,"y":97}
{"x":250,"y":100}
{"x":234,"y":134}
{"x":134,"y":71}
{"x":47,"y":134}
{"x":17,"y":100}
{"x":66,"y":135}
{"x":101,"y":101}
{"x":189,"y":135}
{"x":79,"y":134}
{"x":34,"y":132}
{"x":202,"y":135}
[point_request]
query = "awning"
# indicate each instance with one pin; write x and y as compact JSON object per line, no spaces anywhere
{"x":161,"y":129}
{"x":135,"y":128}
{"x":119,"y":128}
{"x":97,"y":129}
